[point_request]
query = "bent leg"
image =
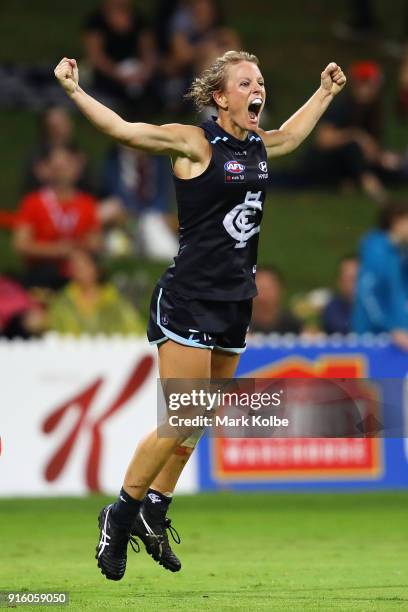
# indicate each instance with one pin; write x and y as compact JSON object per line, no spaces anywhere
{"x":223,"y":365}
{"x":151,"y":524}
{"x":151,"y":455}
{"x":126,"y":518}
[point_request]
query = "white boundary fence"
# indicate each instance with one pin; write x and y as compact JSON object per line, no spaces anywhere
{"x":71,"y":413}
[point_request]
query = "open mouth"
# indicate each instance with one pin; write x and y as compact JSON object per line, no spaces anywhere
{"x":254,"y":109}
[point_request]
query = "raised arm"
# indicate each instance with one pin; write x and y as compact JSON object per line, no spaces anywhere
{"x":294,"y":131}
{"x":181,"y":140}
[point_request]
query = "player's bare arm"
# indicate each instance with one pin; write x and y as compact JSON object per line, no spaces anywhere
{"x":294,"y":131}
{"x":185,"y":143}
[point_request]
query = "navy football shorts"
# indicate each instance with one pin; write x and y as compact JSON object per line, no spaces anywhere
{"x":199,"y":323}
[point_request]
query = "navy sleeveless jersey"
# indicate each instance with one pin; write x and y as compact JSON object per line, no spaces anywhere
{"x":220,"y":213}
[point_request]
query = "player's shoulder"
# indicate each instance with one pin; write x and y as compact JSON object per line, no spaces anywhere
{"x":192,"y":143}
{"x":260,"y":136}
{"x":188,"y":131}
{"x":260,"y":132}
{"x":266,"y":139}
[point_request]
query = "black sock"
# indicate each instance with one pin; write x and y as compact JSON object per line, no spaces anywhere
{"x":155,"y":504}
{"x":125,"y":510}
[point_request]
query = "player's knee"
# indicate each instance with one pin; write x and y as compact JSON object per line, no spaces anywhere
{"x":192,"y":440}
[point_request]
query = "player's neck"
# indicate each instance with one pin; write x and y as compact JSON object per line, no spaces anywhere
{"x":231,"y":127}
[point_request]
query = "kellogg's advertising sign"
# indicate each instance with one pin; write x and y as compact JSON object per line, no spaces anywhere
{"x":72,"y":413}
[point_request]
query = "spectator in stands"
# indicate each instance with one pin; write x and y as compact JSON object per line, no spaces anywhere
{"x":348,"y":139}
{"x":196,"y":37}
{"x":336,"y":316}
{"x":54,"y":220}
{"x":164,"y":13}
{"x":143,"y":185}
{"x":364,"y":25}
{"x":90,"y":305}
{"x":268,"y":314}
{"x":362,"y":21}
{"x":20,"y":315}
{"x":381,"y":303}
{"x":56,"y":129}
{"x":120,"y":49}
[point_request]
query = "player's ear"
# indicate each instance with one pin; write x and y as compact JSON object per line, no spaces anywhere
{"x":220,"y":99}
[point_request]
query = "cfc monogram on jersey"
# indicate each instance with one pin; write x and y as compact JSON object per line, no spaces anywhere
{"x":241,"y":222}
{"x":220,"y":213}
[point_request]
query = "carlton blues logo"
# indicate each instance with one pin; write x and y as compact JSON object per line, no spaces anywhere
{"x":234,"y":171}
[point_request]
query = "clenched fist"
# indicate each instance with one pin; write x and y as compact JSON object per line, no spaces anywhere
{"x":333,"y":79}
{"x":67,"y":74}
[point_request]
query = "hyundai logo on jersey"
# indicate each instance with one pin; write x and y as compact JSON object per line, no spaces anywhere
{"x":234,"y":167}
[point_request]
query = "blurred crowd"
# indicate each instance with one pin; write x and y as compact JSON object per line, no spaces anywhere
{"x":69,"y":223}
{"x":139,"y":64}
{"x":371,"y":294}
{"x":144,"y":68}
{"x":65,"y":229}
{"x":348,"y":150}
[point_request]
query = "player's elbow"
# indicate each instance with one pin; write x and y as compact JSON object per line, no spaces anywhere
{"x":119,"y":130}
{"x":283,"y":142}
{"x":291,"y":142}
{"x":295,"y":140}
{"x":127,"y":135}
{"x":136,"y":135}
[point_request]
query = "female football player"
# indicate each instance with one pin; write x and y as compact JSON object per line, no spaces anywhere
{"x":201,"y":306}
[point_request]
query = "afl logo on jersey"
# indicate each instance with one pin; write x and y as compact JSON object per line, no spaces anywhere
{"x":234,"y":167}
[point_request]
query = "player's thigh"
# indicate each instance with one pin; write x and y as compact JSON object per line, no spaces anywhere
{"x":180,"y":361}
{"x":223,"y":364}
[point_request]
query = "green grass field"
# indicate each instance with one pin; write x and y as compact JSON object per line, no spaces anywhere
{"x":239,"y":552}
